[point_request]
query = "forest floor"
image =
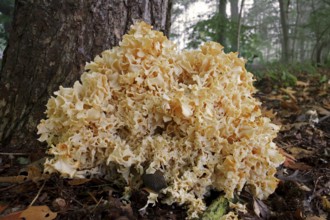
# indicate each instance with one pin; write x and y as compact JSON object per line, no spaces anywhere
{"x":303,"y":111}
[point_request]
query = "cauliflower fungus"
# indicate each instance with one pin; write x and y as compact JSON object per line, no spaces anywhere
{"x":190,"y":115}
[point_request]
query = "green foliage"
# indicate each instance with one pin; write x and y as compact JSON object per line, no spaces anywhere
{"x":286,"y":75}
{"x":23,"y":160}
{"x":4,"y":19}
{"x":6,"y":10}
{"x":305,"y":68}
{"x":3,"y":34}
{"x":319,"y":20}
{"x":218,"y":208}
{"x":282,"y":74}
{"x":206,"y":30}
{"x":320,"y":28}
{"x":249,"y":44}
{"x":324,"y":79}
{"x":261,"y":35}
{"x":210,"y":30}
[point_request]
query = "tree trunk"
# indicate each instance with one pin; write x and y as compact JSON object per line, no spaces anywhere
{"x":239,"y":26}
{"x":49,"y":44}
{"x":285,"y":33}
{"x":222,"y":22}
{"x":234,"y":17}
{"x":319,"y":51}
{"x":294,"y":54}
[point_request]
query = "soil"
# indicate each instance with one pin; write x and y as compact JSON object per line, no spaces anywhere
{"x":303,"y":111}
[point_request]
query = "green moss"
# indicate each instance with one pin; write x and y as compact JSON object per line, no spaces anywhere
{"x":218,"y":208}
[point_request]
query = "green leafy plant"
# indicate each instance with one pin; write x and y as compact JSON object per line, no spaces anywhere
{"x":285,"y":75}
{"x":210,"y":30}
{"x":323,"y":79}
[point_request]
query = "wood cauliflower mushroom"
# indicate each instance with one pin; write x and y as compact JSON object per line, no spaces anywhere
{"x":145,"y":106}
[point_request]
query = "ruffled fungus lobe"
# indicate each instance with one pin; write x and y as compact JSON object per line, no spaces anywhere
{"x":146,"y":107}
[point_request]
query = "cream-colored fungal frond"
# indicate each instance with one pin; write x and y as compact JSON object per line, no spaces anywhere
{"x":190,"y":115}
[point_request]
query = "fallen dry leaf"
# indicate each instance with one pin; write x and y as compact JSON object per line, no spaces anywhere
{"x":299,"y":153}
{"x":275,"y":97}
{"x":38,"y":213}
{"x":290,"y":162}
{"x":260,"y":209}
{"x":77,"y":182}
{"x":315,"y":218}
{"x":290,"y":105}
{"x":268,"y":113}
{"x":322,"y":111}
{"x":326,"y":203}
{"x":296,"y":125}
{"x":12,"y":216}
{"x":302,"y":84}
{"x":303,"y":187}
{"x":13,"y":179}
{"x":326,"y":103}
{"x":34,"y":171}
{"x":288,"y":157}
{"x":296,"y":165}
{"x":296,"y":176}
{"x":3,"y":207}
{"x":290,"y":92}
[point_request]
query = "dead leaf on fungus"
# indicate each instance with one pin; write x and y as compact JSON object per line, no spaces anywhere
{"x":144,"y":106}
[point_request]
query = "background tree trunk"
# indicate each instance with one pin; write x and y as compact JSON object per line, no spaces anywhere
{"x":222,"y":22}
{"x":49,"y":44}
{"x":234,"y":17}
{"x":285,"y":32}
{"x":239,"y":24}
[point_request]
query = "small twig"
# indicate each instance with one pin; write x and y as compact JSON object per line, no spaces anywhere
{"x":14,"y":185}
{"x":292,"y":177}
{"x":97,"y":204}
{"x":13,"y":179}
{"x":74,"y":199}
{"x":95,"y":200}
{"x":39,"y":191}
{"x":323,"y":118}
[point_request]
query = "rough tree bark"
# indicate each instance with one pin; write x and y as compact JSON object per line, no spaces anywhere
{"x":49,"y":44}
